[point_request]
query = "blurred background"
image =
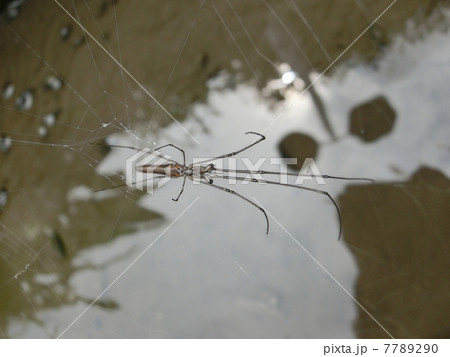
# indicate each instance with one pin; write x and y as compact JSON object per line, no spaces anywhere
{"x":360,"y":86}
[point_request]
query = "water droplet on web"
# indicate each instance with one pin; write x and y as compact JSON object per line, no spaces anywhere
{"x":236,"y":64}
{"x":12,"y":12}
{"x":49,"y":119}
{"x":42,"y":131}
{"x":13,"y":9}
{"x":105,"y":125}
{"x":65,"y":31}
{"x":3,"y":197}
{"x":8,"y":91}
{"x":53,"y":83}
{"x":5,"y":143}
{"x":64,"y":220}
{"x":25,"y":100}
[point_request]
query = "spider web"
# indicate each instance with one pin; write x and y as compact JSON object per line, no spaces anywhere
{"x":199,"y":74}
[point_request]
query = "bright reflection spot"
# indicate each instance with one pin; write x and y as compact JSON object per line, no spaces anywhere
{"x":288,"y":77}
{"x":288,"y":83}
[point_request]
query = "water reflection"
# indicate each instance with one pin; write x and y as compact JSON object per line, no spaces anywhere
{"x":373,"y":119}
{"x":400,"y":241}
{"x":300,"y":147}
{"x":27,"y":287}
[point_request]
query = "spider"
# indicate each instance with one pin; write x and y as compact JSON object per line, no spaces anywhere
{"x":204,"y":171}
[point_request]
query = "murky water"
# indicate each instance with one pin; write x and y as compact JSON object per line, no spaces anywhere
{"x":120,"y":263}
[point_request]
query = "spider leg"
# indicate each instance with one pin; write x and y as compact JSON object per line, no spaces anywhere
{"x":115,"y":146}
{"x":182,"y":189}
{"x":137,"y":149}
{"x":263,"y":172}
{"x":176,"y":147}
{"x":224,"y":189}
{"x":261,"y":138}
{"x":184,"y":166}
{"x":295,"y":186}
{"x":125,"y":185}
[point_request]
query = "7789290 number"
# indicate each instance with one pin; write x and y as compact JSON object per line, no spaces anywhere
{"x":410,"y":348}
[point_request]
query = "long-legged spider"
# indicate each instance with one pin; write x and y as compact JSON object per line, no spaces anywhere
{"x":204,"y":171}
